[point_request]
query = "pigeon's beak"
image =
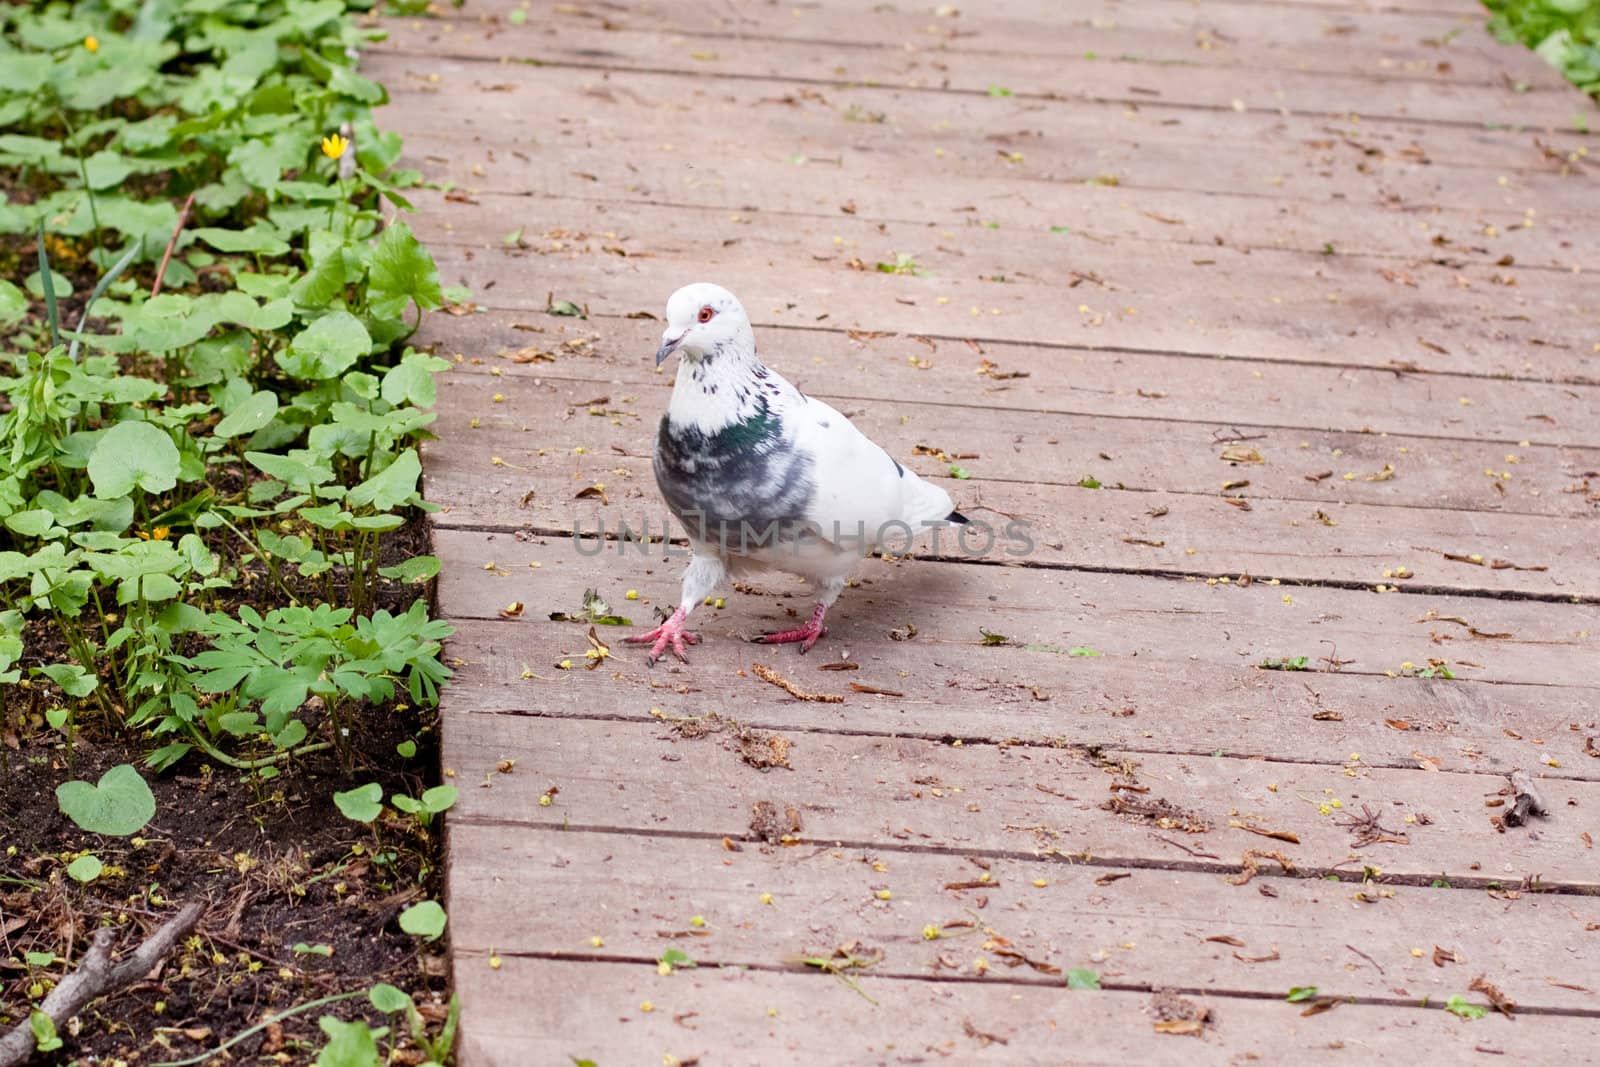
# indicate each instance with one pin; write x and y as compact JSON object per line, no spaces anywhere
{"x":669,"y":345}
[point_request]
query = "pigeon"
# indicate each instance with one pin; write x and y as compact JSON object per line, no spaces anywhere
{"x":765,"y":478}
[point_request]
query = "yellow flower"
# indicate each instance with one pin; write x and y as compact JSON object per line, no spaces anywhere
{"x":333,"y":147}
{"x":160,"y":533}
{"x":92,"y":43}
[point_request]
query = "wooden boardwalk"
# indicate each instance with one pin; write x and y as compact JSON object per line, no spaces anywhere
{"x":1305,"y":288}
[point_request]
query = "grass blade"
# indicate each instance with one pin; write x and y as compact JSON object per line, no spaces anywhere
{"x":106,"y":280}
{"x":51,"y":311}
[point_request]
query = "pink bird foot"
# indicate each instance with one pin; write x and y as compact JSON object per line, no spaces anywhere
{"x":671,"y":633}
{"x":806,"y":635}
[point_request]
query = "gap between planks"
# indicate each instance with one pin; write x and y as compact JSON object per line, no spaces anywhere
{"x":1016,"y":698}
{"x":1052,"y":377}
{"x":1178,"y":922}
{"x":764,"y":1018}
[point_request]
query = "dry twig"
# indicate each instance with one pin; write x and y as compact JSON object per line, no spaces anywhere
{"x":95,"y":977}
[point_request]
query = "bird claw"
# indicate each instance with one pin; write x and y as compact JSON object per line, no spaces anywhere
{"x":668,"y":633}
{"x":805,"y":636}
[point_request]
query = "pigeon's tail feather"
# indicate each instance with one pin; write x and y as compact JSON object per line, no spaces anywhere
{"x":957,"y":517}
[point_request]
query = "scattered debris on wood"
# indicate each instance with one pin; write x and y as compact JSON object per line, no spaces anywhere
{"x":1175,"y":1015}
{"x":1250,"y":867}
{"x":1155,"y":810}
{"x":759,"y":748}
{"x":769,"y":826}
{"x":1369,"y":831}
{"x":1502,"y":1003}
{"x":767,"y":674}
{"x":1526,"y":801}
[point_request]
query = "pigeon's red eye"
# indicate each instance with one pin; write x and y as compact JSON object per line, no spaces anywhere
{"x":706,"y":313}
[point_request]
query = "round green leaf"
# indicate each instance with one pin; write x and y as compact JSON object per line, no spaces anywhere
{"x":119,"y":805}
{"x":106,"y":168}
{"x":84,"y":869}
{"x":13,"y":303}
{"x":255,"y":412}
{"x":407,"y":749}
{"x":361,"y":804}
{"x":133,"y":455}
{"x":387,"y":999}
{"x":424,"y":919}
{"x":439,"y":798}
{"x":327,"y":348}
{"x":60,"y":282}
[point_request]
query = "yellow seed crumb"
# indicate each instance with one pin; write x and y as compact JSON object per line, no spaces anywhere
{"x":930,"y":932}
{"x":494,"y":963}
{"x":597,"y":941}
{"x":646,"y":1006}
{"x":663,"y":968}
{"x":697,"y":920}
{"x":883,"y":894}
{"x":1040,"y":883}
{"x":1417,"y":952}
{"x":766,"y":898}
{"x":632,"y":594}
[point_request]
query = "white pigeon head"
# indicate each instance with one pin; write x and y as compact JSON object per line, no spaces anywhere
{"x":704,"y":319}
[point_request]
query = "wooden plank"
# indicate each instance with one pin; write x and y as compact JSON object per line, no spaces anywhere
{"x":888,"y":368}
{"x":1449,"y":47}
{"x":1122,"y":616}
{"x":899,"y":795}
{"x":1171,"y":534}
{"x":1234,"y":304}
{"x":1115,"y":702}
{"x":579,"y":44}
{"x":1047,"y":448}
{"x":1092,"y":211}
{"x":1135,"y":931}
{"x":1003,"y":377}
{"x":970,"y":138}
{"x":545,"y":1011}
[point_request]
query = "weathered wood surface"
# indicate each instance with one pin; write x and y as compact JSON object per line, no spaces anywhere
{"x":575,"y":356}
{"x":1114,"y":701}
{"x":1231,"y":303}
{"x":1347,"y":235}
{"x":580,"y":43}
{"x":1405,"y":45}
{"x":1144,"y":632}
{"x":1139,"y":927}
{"x":541,"y":1010}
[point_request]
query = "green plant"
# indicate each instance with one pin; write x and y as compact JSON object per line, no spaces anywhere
{"x":425,"y":919}
{"x":1299,"y":993}
{"x":1565,"y":34}
{"x":432,"y":802}
{"x":1285,"y":663}
{"x":1459,"y":1005}
{"x":392,"y":1001}
{"x":273,"y":405}
{"x":118,"y":805}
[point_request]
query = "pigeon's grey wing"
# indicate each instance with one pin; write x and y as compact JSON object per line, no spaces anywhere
{"x":747,"y":481}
